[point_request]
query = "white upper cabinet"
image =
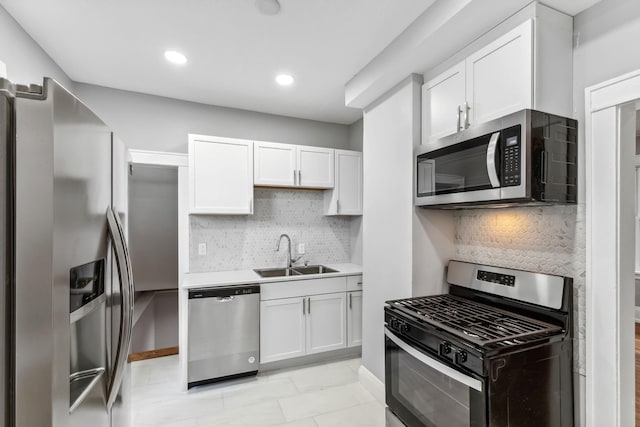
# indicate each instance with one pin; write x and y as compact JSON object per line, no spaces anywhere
{"x":346,"y":196}
{"x":220,"y":175}
{"x":527,"y":67}
{"x":315,"y":167}
{"x":499,"y":77}
{"x":287,"y":165}
{"x":274,"y":164}
{"x":442,"y":99}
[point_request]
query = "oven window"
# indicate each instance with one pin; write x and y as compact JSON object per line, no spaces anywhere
{"x":422,"y":396}
{"x":457,"y":168}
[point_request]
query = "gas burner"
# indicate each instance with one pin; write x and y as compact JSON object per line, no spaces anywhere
{"x":476,"y":322}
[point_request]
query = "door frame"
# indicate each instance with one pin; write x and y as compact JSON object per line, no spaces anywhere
{"x":610,"y":109}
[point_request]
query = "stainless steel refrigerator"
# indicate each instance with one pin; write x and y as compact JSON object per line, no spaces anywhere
{"x":67,"y":296}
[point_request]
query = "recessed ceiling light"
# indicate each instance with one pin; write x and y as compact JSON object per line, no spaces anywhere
{"x":175,"y":57}
{"x":284,"y":79}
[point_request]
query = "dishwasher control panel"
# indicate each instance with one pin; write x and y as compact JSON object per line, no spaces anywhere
{"x":224,"y":291}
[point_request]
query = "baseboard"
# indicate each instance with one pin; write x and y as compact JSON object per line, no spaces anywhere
{"x":152,"y":354}
{"x":371,"y":383}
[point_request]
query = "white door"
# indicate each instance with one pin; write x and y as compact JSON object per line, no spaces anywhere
{"x":282,"y":329}
{"x":349,"y":182}
{"x":326,"y":322}
{"x":443,"y":99}
{"x":274,"y":164}
{"x":354,"y":319}
{"x":315,"y":167}
{"x":500,"y":76}
{"x":220,"y":175}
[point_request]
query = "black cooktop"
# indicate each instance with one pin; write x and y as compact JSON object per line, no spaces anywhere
{"x":472,"y":321}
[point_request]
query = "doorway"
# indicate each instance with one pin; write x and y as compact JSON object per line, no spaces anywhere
{"x":157,"y":236}
{"x":610,"y":130}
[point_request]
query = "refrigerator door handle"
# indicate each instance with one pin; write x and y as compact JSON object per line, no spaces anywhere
{"x":123,"y":263}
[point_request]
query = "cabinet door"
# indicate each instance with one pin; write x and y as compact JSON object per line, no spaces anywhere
{"x":220,"y":175}
{"x":354,"y":319}
{"x":326,"y":325}
{"x":442,"y":97}
{"x":275,"y":164}
{"x":315,"y":167}
{"x":349,"y":182}
{"x":500,"y":76}
{"x":282,"y":329}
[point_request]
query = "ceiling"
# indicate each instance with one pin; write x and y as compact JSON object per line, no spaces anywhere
{"x":234,"y":51}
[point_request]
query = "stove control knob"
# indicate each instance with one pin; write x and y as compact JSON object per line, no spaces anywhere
{"x":445,"y":348}
{"x":404,"y":328}
{"x":461,"y":357}
{"x":394,"y":323}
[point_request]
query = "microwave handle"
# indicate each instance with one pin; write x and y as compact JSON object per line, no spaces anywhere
{"x":491,"y":160}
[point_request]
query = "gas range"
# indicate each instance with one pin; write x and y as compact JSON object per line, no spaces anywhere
{"x":462,"y":358}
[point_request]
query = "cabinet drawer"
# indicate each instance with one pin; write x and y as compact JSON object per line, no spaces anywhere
{"x":298,"y":288}
{"x":354,"y":283}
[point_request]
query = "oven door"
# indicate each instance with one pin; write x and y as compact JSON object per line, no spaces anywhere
{"x":422,"y":391}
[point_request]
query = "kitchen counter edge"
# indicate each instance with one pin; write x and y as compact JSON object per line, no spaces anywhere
{"x":238,"y":277}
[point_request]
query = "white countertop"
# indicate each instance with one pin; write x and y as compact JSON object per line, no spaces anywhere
{"x":237,"y":277}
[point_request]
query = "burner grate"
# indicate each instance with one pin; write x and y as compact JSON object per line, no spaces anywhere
{"x":473,"y":321}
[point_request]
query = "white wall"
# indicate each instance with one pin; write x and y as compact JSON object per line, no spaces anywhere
{"x":149,"y":122}
{"x":390,"y":132}
{"x":26,"y":62}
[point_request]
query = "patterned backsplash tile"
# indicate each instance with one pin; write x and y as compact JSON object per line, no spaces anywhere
{"x":548,"y":239}
{"x":237,"y":242}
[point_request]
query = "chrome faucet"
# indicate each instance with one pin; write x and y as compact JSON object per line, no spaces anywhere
{"x":290,"y":259}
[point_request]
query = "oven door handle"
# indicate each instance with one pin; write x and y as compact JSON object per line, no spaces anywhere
{"x":491,"y":160}
{"x":434,"y":364}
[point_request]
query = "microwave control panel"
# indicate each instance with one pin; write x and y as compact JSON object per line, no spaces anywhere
{"x":511,"y":158}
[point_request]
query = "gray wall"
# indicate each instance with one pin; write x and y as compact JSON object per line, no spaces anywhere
{"x":355,"y":135}
{"x":149,"y":122}
{"x":26,"y":61}
{"x":153,"y":227}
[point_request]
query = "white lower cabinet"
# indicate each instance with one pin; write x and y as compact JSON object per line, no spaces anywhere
{"x":282,"y":329}
{"x":292,"y":327}
{"x":354,"y":319}
{"x":326,"y":322}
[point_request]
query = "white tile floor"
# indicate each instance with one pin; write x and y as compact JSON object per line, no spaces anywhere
{"x":313,"y":396}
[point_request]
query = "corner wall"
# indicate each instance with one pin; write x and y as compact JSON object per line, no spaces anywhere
{"x":25,"y":60}
{"x":390,"y":130}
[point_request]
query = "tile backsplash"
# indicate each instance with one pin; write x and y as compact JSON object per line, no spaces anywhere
{"x":237,"y":242}
{"x":548,"y":239}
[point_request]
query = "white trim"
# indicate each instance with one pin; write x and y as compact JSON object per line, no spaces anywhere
{"x":158,"y":158}
{"x":372,"y":384}
{"x":609,"y":298}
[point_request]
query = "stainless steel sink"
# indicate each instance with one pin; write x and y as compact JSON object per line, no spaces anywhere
{"x":295,"y":271}
{"x":314,"y":269}
{"x":277,"y":272}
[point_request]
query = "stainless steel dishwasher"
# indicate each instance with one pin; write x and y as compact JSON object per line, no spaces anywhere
{"x":224,"y":333}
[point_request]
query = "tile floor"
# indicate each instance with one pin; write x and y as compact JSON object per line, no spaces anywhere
{"x":313,"y":396}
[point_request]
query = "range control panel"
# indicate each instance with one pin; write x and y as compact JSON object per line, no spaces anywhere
{"x":497,"y":278}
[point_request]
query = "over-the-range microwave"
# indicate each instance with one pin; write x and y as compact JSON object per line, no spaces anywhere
{"x":528,"y":157}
